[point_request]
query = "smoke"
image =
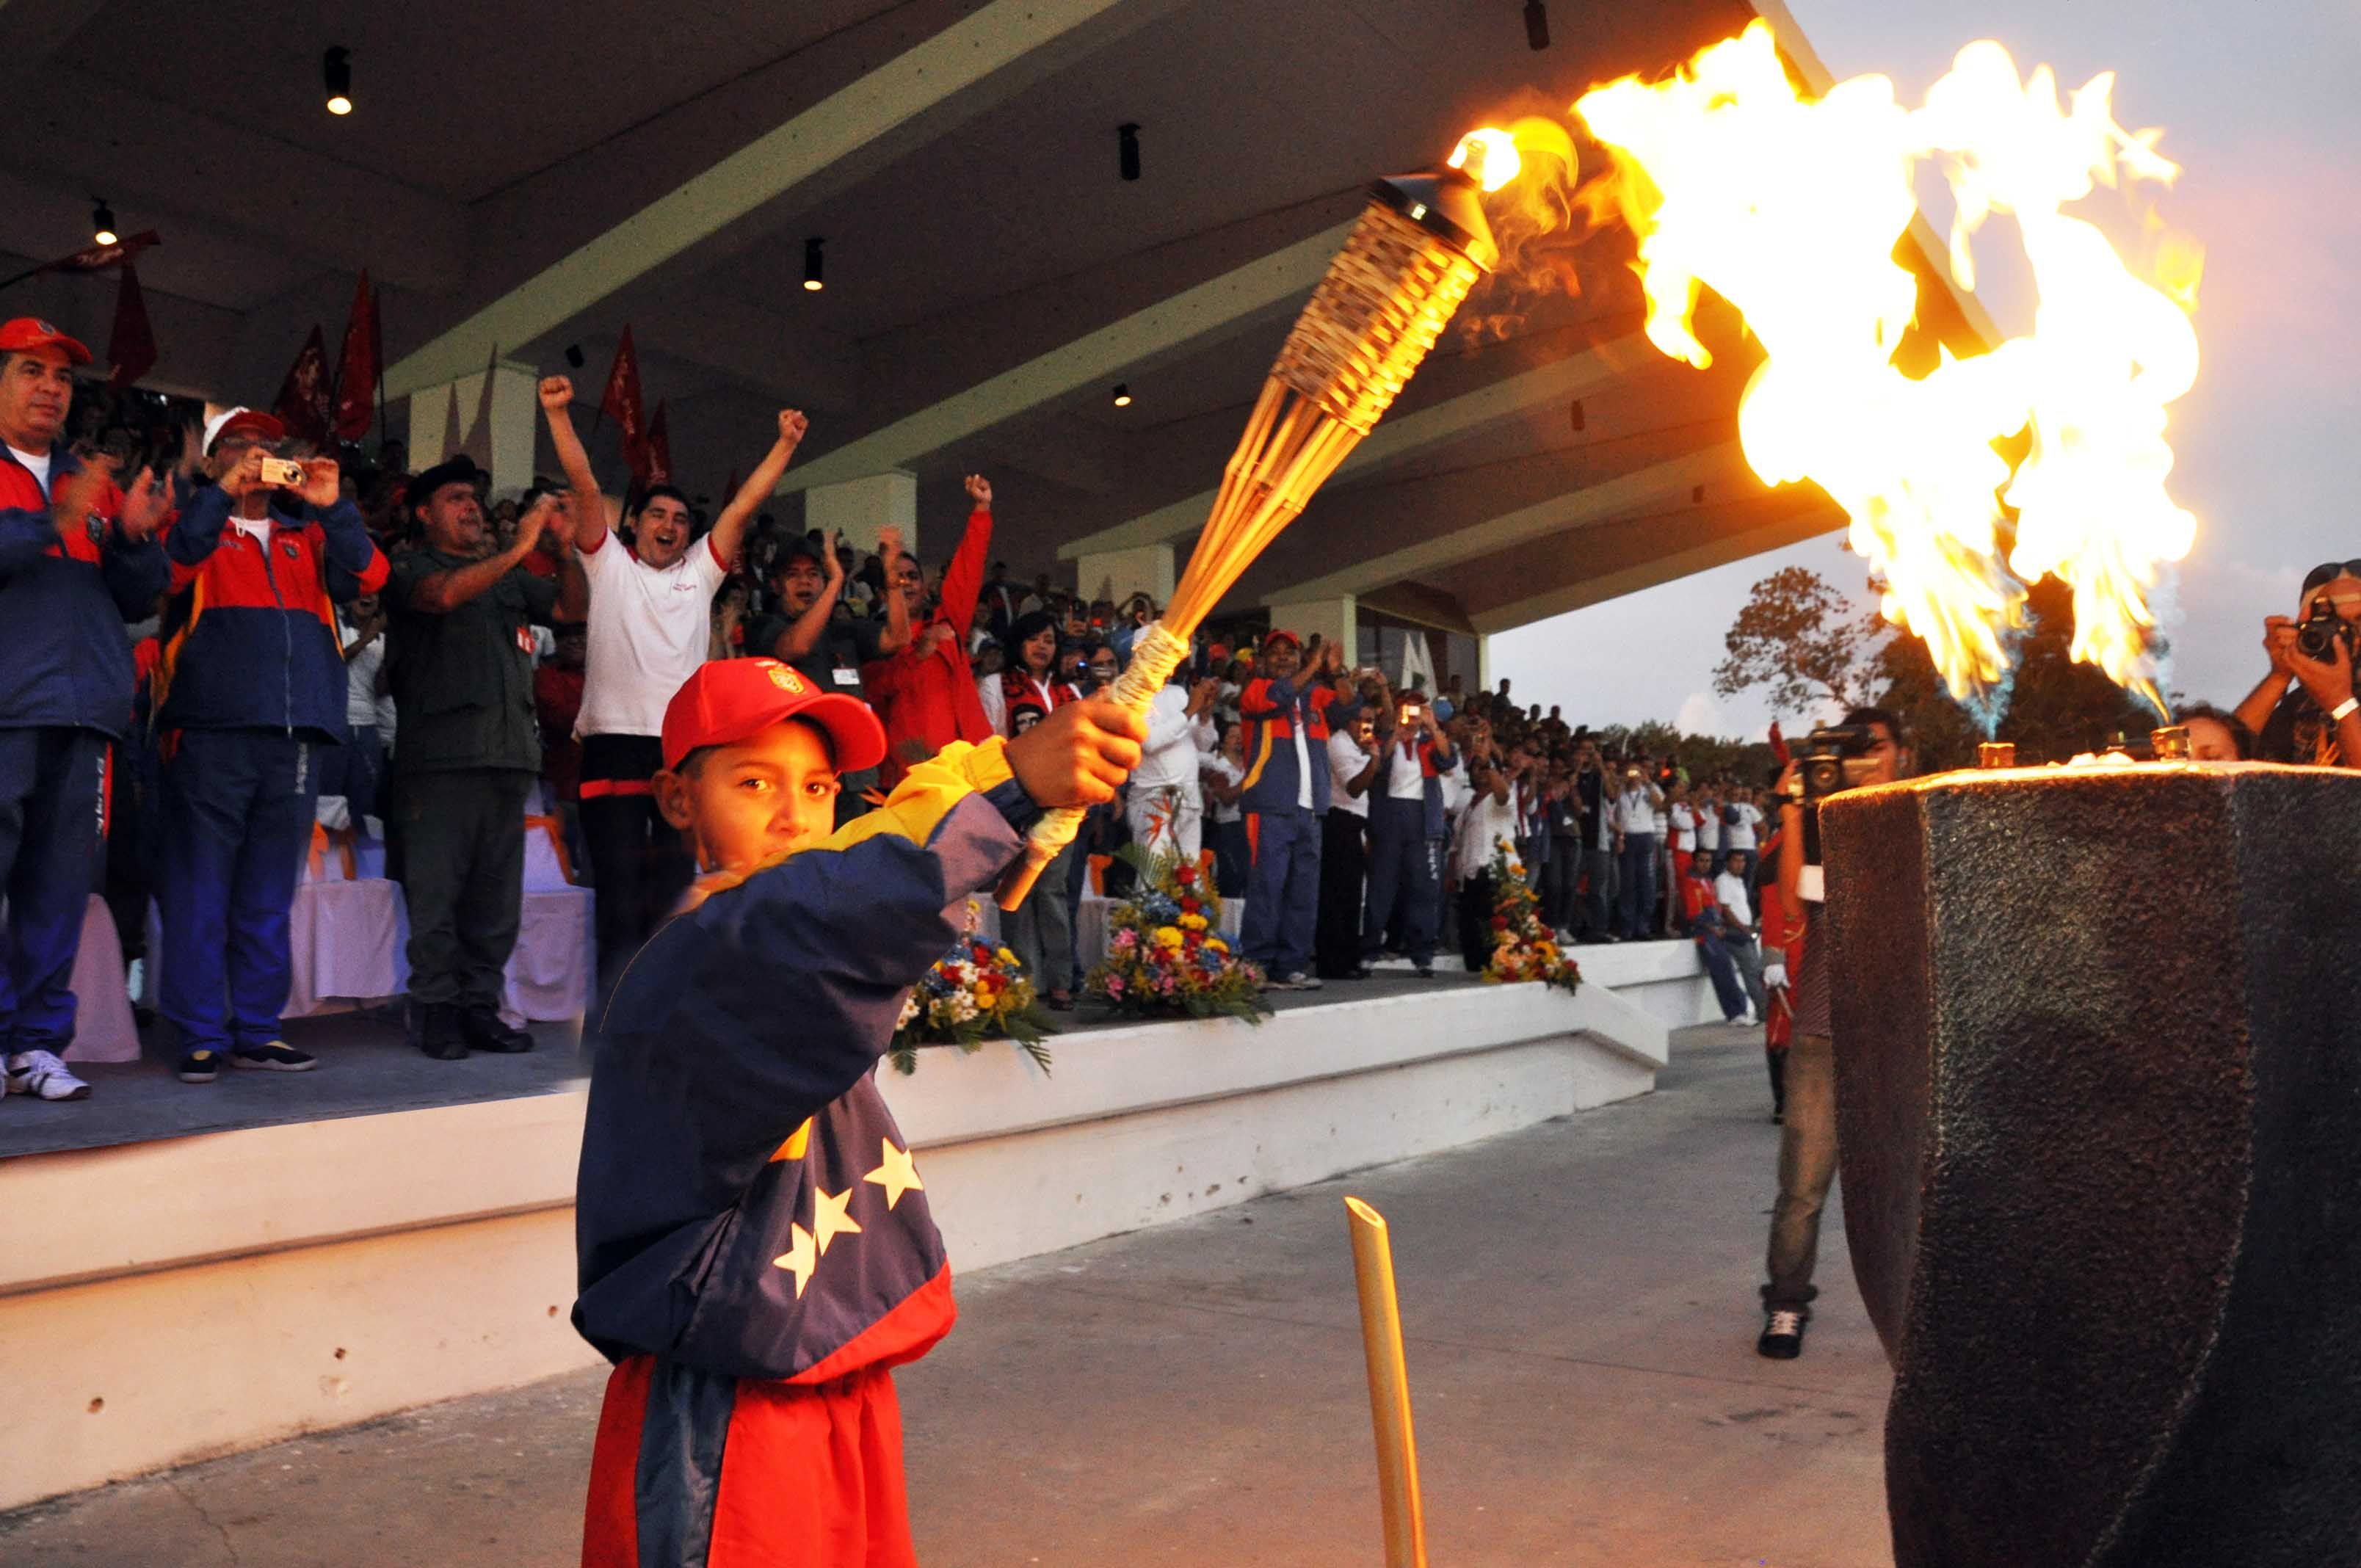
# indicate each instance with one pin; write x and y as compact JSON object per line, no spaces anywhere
{"x":1537,"y":221}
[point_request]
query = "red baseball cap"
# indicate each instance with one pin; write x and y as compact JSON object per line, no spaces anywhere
{"x":1282,"y":634}
{"x":238,"y":421}
{"x":730,"y":699}
{"x":32,"y":332}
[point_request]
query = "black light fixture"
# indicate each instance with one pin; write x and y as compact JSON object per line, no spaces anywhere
{"x":1536,"y":24}
{"x":1123,"y":394}
{"x":102,"y":221}
{"x":814,"y":265}
{"x":573,"y":355}
{"x":336,"y":76}
{"x":1126,"y":149}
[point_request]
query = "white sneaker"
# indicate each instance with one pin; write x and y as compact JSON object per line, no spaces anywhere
{"x":1299,"y":981}
{"x":41,"y":1075}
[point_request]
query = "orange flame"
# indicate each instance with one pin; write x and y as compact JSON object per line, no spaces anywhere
{"x":1791,"y":208}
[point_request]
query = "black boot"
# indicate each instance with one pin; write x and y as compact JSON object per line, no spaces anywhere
{"x":434,"y":1030}
{"x":483,"y":1029}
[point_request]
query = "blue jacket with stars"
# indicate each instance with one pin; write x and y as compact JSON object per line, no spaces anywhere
{"x":746,"y":1204}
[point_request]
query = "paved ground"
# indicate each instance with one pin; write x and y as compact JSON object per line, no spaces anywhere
{"x":1578,"y":1304}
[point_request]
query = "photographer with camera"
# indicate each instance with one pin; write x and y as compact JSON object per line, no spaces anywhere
{"x":1407,"y":831}
{"x":1869,"y":748}
{"x":251,"y":687}
{"x":1633,"y":815}
{"x":2305,"y":711}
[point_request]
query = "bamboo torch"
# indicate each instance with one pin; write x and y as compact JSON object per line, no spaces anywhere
{"x":1381,"y":1342}
{"x":1420,"y":246}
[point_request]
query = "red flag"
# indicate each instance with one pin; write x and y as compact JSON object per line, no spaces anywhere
{"x":659,"y":447}
{"x":131,"y":348}
{"x":303,"y":405}
{"x":621,"y":399}
{"x":355,"y":399}
{"x":1778,"y":744}
{"x":96,"y":257}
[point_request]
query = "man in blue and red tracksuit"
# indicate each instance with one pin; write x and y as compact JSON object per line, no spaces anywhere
{"x":754,"y":1240}
{"x":78,"y":559}
{"x":1285,"y":794}
{"x":1407,"y":832}
{"x":251,"y":685}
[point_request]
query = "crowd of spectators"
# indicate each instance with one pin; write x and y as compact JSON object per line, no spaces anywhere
{"x":211,"y":638}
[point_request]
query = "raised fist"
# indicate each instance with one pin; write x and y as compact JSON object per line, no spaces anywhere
{"x":979,"y":490}
{"x":556,"y":392}
{"x":792,"y":425}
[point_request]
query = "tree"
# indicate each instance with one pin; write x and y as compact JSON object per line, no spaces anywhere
{"x":1802,"y":640}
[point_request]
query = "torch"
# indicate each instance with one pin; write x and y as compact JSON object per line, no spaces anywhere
{"x":1420,"y":246}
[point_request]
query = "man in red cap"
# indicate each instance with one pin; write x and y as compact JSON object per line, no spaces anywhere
{"x":78,"y":559}
{"x":754,"y":1245}
{"x":249,"y":689}
{"x":1286,"y":799}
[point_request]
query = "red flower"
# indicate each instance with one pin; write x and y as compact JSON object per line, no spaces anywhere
{"x":1190,"y":906}
{"x":982,"y":954}
{"x":1500,"y":922}
{"x":1186,"y":876}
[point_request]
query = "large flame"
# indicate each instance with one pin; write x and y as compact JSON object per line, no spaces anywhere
{"x":1792,"y":208}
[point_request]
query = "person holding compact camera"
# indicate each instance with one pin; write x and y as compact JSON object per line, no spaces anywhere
{"x":1869,"y":748}
{"x":2305,"y":710}
{"x":1407,"y":831}
{"x":250,"y":692}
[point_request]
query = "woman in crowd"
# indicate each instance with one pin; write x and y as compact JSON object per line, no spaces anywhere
{"x":1042,"y":930}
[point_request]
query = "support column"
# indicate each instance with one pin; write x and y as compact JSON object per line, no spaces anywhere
{"x":1483,"y":661}
{"x":1336,"y":617}
{"x":493,"y":416}
{"x":1119,"y":574}
{"x":860,"y":508}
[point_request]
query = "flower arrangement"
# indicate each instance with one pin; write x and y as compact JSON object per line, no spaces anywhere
{"x":975,"y":992}
{"x":1166,"y":953}
{"x":1523,"y":947}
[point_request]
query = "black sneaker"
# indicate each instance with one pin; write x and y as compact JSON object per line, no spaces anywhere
{"x":434,"y":1030}
{"x":276,"y":1057}
{"x":1425,"y":971}
{"x":1783,"y":1335}
{"x":200,"y":1067}
{"x":486,"y":1031}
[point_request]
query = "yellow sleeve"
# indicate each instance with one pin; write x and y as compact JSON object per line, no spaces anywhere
{"x":925,"y":795}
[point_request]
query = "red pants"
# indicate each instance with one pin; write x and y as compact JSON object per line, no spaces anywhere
{"x":808,"y":1476}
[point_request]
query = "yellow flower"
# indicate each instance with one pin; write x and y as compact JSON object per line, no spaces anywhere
{"x":1215,"y":944}
{"x":1167,"y":937}
{"x":1516,"y":868}
{"x":1005,"y":955}
{"x":1192,"y":922}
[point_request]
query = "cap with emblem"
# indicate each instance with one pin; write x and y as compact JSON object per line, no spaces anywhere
{"x":730,"y":699}
{"x":242,"y":422}
{"x":32,"y":332}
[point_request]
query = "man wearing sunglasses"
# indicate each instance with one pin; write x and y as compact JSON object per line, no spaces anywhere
{"x":2304,"y":711}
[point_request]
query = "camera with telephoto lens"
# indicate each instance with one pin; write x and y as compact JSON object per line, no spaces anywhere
{"x":1834,"y":759}
{"x":2318,"y":633}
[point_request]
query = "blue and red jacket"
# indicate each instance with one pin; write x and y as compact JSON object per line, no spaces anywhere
{"x":63,"y":605}
{"x":250,"y":635}
{"x":1273,"y":711}
{"x":1435,"y":758}
{"x":746,"y":1204}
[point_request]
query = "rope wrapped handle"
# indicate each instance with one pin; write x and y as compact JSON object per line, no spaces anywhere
{"x":1154,"y":656}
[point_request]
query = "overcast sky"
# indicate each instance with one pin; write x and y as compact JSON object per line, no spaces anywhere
{"x":2257,"y":106}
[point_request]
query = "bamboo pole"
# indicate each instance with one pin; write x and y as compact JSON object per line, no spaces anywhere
{"x":1381,"y":1342}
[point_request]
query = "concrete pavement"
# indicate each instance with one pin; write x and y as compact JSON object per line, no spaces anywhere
{"x":1578,"y":1305}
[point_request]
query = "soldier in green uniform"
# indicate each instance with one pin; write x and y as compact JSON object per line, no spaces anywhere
{"x":466,"y":749}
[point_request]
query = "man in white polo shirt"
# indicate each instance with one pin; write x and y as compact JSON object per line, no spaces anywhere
{"x":651,"y":626}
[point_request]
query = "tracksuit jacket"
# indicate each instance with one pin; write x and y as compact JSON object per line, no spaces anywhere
{"x":64,"y":602}
{"x":250,"y":640}
{"x":1273,"y":711}
{"x":733,"y":1124}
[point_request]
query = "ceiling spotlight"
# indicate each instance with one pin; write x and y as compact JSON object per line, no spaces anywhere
{"x":1536,"y":24}
{"x":337,"y":75}
{"x":573,"y":355}
{"x":102,"y":221}
{"x":1127,"y":150}
{"x":1123,"y":394}
{"x":813,"y":266}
